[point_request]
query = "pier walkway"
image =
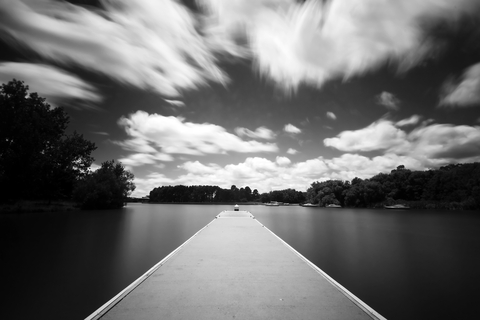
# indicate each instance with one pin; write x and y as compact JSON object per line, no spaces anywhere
{"x":235,"y":268}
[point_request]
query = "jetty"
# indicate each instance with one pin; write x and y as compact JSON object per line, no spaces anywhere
{"x":235,"y":268}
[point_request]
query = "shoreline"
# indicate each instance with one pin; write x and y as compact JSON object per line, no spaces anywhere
{"x":39,"y":206}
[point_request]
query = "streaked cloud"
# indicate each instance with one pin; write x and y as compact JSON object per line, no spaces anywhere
{"x":464,"y":93}
{"x":259,"y":133}
{"x":312,"y":42}
{"x":149,"y":44}
{"x":292,"y":151}
{"x":331,"y":115}
{"x":290,"y":128}
{"x":176,"y":103}
{"x":388,"y":100}
{"x":153,"y":137}
{"x":56,"y":85}
{"x":163,"y":47}
{"x":101,"y":133}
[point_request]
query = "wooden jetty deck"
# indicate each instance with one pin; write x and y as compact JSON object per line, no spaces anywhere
{"x":235,"y":268}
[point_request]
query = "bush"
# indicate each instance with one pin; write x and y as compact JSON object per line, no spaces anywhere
{"x":106,"y":188}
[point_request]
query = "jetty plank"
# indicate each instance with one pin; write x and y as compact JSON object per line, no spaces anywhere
{"x":235,"y":268}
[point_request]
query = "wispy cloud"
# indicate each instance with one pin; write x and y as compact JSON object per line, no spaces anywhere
{"x":146,"y":43}
{"x":331,"y":115}
{"x":56,"y":85}
{"x":464,"y":93}
{"x":176,"y":103}
{"x":153,"y":137}
{"x":388,"y":100}
{"x":294,"y":42}
{"x":163,"y":47}
{"x":292,"y":151}
{"x":102,"y":133}
{"x":290,"y":128}
{"x":259,"y":133}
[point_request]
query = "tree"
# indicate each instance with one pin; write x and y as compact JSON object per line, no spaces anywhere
{"x":106,"y":188}
{"x":37,"y":158}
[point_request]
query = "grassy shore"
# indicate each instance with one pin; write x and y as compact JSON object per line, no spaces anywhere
{"x":38,"y":206}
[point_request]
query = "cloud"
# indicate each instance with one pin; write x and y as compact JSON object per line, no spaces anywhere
{"x":95,"y":166}
{"x":312,"y":42}
{"x":140,"y":159}
{"x":331,"y":115}
{"x":292,"y":151}
{"x":430,"y":144}
{"x":149,"y":44}
{"x":102,"y":133}
{"x":176,"y":103}
{"x":388,"y":100}
{"x":290,"y":128}
{"x":427,"y":146}
{"x":259,"y":133}
{"x":380,"y":135}
{"x":413,"y":120}
{"x":256,"y":172}
{"x":445,"y":142}
{"x":282,"y":161}
{"x":56,"y":85}
{"x":146,"y":184}
{"x":465,"y":93}
{"x":163,"y":47}
{"x":153,"y":137}
{"x":266,"y":175}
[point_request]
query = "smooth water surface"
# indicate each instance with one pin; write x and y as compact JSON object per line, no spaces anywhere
{"x":66,"y":265}
{"x":405,"y":264}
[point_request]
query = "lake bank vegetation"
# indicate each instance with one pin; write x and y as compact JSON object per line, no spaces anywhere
{"x":452,"y":187}
{"x":215,"y":194}
{"x":42,"y":168}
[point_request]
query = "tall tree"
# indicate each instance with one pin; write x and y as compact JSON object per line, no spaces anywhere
{"x":37,"y":158}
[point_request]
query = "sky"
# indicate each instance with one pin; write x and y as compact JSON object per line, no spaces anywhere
{"x":270,"y":94}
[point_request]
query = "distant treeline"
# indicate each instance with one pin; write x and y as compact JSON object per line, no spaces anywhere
{"x":183,"y":194}
{"x":453,"y":187}
{"x":456,"y":186}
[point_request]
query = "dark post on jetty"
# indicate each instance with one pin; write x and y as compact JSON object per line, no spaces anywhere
{"x":235,"y":268}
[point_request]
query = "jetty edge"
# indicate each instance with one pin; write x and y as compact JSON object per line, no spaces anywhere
{"x":235,"y":267}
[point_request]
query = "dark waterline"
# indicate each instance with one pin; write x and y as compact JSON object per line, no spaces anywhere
{"x":405,"y":264}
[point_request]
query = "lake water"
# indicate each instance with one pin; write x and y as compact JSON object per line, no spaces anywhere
{"x":404,"y":264}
